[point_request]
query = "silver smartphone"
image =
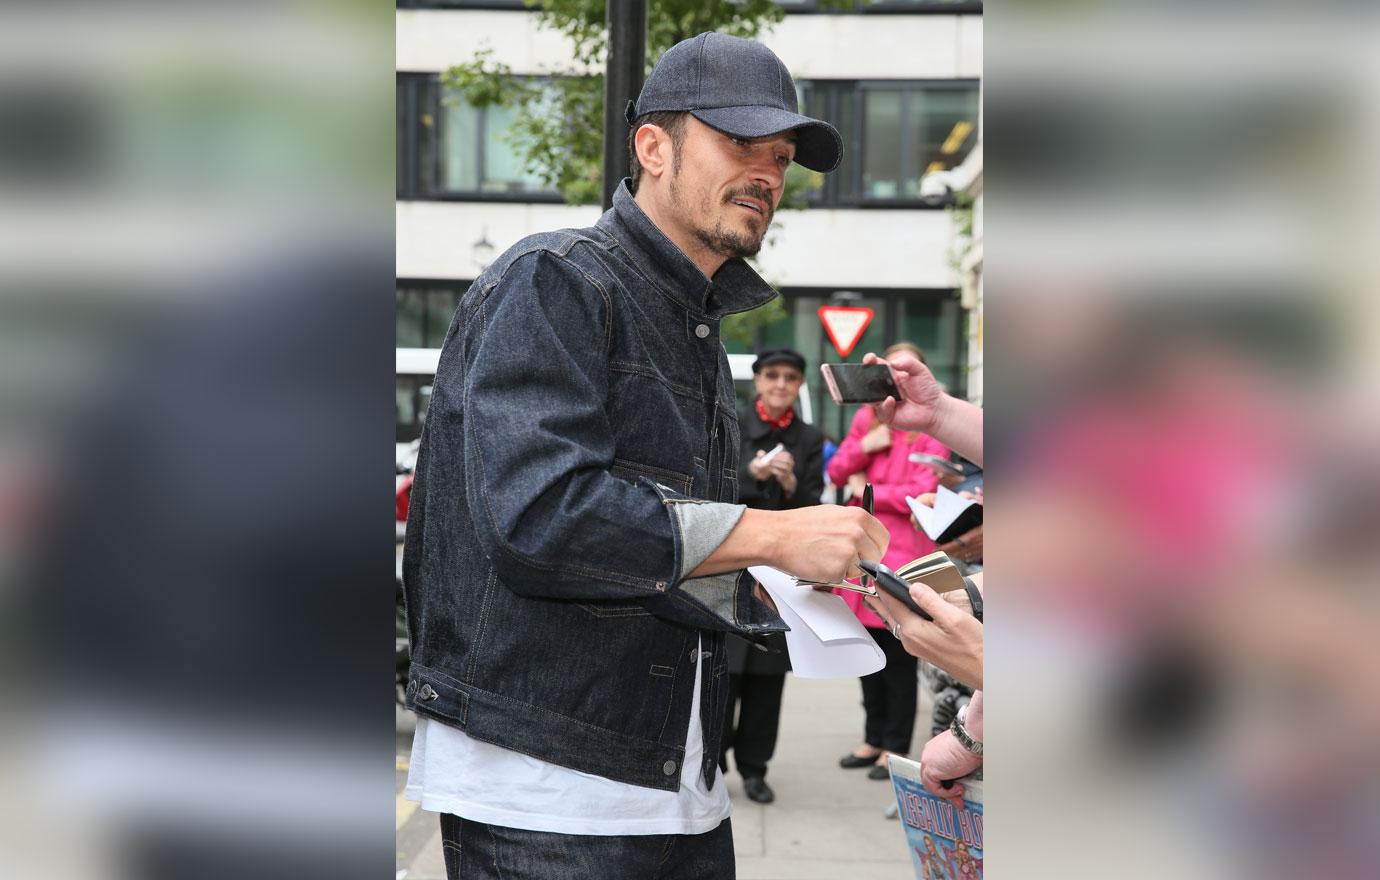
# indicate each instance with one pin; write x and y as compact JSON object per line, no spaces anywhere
{"x":943,"y":465}
{"x":859,"y":383}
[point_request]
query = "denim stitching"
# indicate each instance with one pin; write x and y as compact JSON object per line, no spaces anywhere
{"x":485,"y":606}
{"x":655,"y":285}
{"x":666,"y":853}
{"x":656,"y":473}
{"x":503,"y":547}
{"x":493,"y":845}
{"x":543,"y":711}
{"x":506,"y":549}
{"x":622,"y":366}
{"x":671,"y":702}
{"x":615,"y":612}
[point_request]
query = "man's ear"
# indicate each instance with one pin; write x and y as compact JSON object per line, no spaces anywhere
{"x":653,"y":146}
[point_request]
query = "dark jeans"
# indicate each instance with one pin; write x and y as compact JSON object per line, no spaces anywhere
{"x":889,"y":697}
{"x":475,"y":851}
{"x":753,"y":738}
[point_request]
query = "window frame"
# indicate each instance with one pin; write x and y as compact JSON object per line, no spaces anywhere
{"x":457,"y":287}
{"x":413,"y":86}
{"x":836,"y":193}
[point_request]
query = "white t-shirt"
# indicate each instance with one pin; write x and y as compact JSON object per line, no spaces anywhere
{"x":452,"y":773}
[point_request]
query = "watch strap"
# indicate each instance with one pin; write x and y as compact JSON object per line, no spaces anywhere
{"x":974,"y":597}
{"x":972,"y":745}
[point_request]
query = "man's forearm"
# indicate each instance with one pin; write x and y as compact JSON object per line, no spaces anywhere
{"x":958,"y":425}
{"x":821,"y":543}
{"x":752,"y":542}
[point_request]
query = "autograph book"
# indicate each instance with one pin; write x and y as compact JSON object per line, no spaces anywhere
{"x":945,"y":843}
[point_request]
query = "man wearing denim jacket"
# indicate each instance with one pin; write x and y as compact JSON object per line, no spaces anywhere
{"x":574,"y":552}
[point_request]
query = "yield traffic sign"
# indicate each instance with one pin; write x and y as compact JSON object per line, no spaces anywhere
{"x":845,"y":325}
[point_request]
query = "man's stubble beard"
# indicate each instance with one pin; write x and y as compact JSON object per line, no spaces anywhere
{"x":720,"y":240}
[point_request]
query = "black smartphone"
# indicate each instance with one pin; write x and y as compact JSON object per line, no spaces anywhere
{"x":859,"y":383}
{"x":891,"y":582}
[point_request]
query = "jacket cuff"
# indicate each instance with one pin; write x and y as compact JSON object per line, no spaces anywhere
{"x":703,"y":527}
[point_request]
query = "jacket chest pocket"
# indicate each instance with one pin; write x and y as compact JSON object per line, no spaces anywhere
{"x":631,"y":470}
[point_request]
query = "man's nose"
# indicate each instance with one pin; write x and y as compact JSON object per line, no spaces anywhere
{"x":767,"y":173}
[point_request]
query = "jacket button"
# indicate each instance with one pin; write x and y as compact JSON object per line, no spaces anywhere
{"x":669,"y":768}
{"x":427,"y":693}
{"x":702,"y":330}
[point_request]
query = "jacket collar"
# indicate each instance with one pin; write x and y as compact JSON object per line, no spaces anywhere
{"x":734,"y":288}
{"x":754,"y":428}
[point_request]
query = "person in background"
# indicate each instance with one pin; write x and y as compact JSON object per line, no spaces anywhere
{"x":791,"y":478}
{"x":881,"y":456}
{"x":951,"y":639}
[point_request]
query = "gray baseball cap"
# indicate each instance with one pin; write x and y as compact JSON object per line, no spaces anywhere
{"x":739,"y":87}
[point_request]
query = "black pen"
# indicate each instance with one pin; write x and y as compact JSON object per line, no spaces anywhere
{"x":867,"y":506}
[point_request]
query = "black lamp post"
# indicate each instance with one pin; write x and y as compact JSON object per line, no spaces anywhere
{"x":627,"y":21}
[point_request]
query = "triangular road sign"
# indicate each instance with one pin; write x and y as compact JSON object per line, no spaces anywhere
{"x":845,"y":325}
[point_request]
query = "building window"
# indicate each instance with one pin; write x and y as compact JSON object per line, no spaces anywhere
{"x":450,"y":149}
{"x":859,"y":6}
{"x":894,"y":133}
{"x":424,"y":311}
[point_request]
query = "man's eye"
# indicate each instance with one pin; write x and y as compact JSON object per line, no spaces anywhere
{"x":783,"y":161}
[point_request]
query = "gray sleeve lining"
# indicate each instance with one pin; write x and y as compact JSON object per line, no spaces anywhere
{"x":703,"y":527}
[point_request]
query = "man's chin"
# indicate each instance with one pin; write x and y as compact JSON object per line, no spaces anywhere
{"x":734,"y":245}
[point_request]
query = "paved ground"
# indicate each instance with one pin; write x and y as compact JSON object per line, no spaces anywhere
{"x":826,"y":823}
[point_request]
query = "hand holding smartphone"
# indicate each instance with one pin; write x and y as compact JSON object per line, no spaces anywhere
{"x":859,"y":383}
{"x":888,"y":580}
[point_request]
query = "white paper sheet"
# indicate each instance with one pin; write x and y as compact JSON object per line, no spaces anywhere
{"x":826,"y":640}
{"x":948,"y":506}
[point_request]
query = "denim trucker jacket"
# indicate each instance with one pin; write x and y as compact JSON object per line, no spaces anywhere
{"x":579,"y":458}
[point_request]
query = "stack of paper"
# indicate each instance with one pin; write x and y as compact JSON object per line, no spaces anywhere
{"x":937,"y":571}
{"x":826,"y":640}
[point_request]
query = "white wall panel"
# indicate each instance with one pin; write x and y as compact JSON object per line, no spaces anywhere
{"x":436,"y":239}
{"x":969,"y":47}
{"x":430,"y":40}
{"x":872,"y":46}
{"x":842,"y":249}
{"x":860,"y":249}
{"x":812,"y":46}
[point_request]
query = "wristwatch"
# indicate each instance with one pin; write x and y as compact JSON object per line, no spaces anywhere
{"x":956,"y":727}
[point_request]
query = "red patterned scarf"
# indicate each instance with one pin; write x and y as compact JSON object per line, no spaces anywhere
{"x":781,"y":423}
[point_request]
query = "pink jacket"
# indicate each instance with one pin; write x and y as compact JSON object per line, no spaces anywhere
{"x":893,"y":476}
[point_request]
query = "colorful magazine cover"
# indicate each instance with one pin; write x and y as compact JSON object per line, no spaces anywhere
{"x":945,"y":843}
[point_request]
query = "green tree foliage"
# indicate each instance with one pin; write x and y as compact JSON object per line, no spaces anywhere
{"x":559,"y":122}
{"x":559,"y":119}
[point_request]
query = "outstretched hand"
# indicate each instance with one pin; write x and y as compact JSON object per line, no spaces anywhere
{"x":921,"y":394}
{"x":925,"y":407}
